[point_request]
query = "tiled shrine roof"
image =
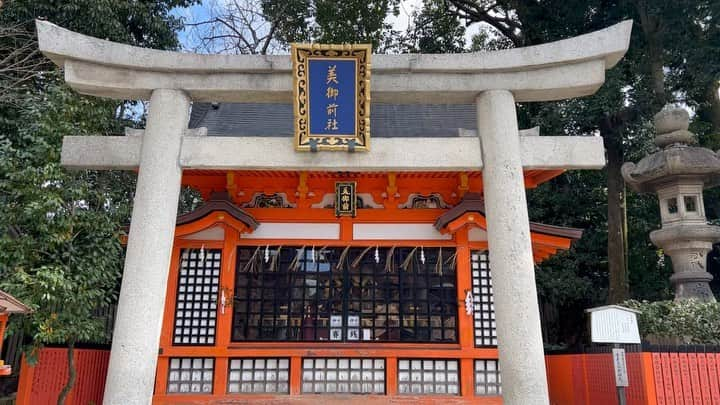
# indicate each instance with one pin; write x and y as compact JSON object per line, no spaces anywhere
{"x":219,"y":201}
{"x":473,"y":202}
{"x":386,"y":120}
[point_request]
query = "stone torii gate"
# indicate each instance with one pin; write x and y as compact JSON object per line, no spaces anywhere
{"x":494,"y":81}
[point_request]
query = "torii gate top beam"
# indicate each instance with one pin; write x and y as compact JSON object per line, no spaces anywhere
{"x":564,"y":69}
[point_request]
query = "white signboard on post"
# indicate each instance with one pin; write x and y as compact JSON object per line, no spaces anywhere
{"x":614,"y":324}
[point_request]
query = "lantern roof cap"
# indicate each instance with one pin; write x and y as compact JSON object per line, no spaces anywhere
{"x":677,"y":159}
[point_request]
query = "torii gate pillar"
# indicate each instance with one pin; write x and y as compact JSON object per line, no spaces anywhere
{"x":133,"y":358}
{"x":520,"y":342}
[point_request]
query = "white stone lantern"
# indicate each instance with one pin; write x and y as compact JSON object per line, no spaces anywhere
{"x":678,"y":173}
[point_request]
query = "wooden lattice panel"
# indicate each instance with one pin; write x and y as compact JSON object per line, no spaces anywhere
{"x":343,"y":375}
{"x":484,"y":305}
{"x":196,"y":305}
{"x":428,"y":377}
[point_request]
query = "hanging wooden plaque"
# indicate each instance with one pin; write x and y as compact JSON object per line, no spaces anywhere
{"x":331,"y":99}
{"x":345,"y":199}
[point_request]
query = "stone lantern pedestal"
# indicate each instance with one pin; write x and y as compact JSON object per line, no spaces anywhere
{"x":688,"y":248}
{"x":678,"y":173}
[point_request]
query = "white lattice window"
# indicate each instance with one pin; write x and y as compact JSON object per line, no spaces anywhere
{"x":259,"y":375}
{"x":427,"y":377}
{"x":189,"y":375}
{"x":343,"y":375}
{"x":484,"y":306}
{"x":487,"y":378}
{"x":196,"y":306}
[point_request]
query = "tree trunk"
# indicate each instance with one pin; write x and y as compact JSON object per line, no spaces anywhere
{"x":714,"y":110}
{"x":617,"y":224}
{"x":72,"y":374}
{"x":652,"y":28}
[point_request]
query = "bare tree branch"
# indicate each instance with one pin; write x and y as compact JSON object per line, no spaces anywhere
{"x":20,"y":60}
{"x":497,"y":15}
{"x":237,"y":26}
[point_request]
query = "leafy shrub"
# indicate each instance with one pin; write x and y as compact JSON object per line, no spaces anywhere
{"x":688,"y":321}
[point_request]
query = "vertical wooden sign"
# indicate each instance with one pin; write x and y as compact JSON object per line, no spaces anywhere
{"x":345,"y":199}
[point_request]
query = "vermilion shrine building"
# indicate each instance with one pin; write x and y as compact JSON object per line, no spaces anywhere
{"x":263,"y":292}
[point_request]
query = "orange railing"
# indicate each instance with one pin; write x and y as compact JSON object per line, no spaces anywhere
{"x":686,"y":378}
{"x":655,"y":378}
{"x":579,"y":379}
{"x":41,"y":384}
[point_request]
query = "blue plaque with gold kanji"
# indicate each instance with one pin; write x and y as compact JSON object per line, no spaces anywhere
{"x":331,"y":97}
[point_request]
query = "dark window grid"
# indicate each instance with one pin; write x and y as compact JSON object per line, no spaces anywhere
{"x":428,"y":377}
{"x":438,"y":306}
{"x":487,"y":378}
{"x":307,"y":265}
{"x":393,"y":321}
{"x":405,"y":293}
{"x":483,"y":302}
{"x":259,"y":375}
{"x":264,"y":281}
{"x":343,"y":375}
{"x":190,"y":375}
{"x":196,"y":305}
{"x":305,"y":318}
{"x":261,"y":315}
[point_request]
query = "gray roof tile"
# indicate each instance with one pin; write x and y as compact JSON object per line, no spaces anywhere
{"x":386,"y":120}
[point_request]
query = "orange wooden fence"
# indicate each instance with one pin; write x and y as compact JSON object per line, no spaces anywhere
{"x":655,"y":378}
{"x":578,"y":379}
{"x":41,"y":384}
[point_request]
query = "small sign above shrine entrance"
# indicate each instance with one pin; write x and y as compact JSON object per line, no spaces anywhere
{"x":331,"y":97}
{"x":345,"y":199}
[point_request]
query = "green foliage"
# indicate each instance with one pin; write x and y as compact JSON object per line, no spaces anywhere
{"x":190,"y":199}
{"x":146,"y":23}
{"x":690,"y":321}
{"x":61,"y":250}
{"x":575,"y":275}
{"x":436,"y":30}
{"x":330,"y":21}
